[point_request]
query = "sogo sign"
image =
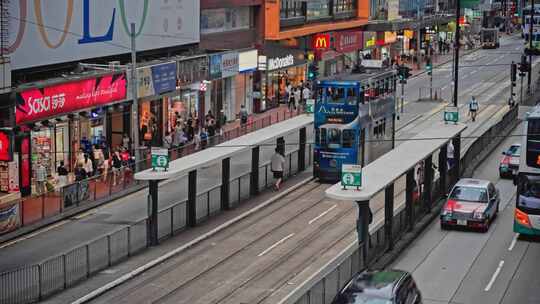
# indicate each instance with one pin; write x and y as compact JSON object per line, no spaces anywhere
{"x":54,"y":31}
{"x":43,"y":103}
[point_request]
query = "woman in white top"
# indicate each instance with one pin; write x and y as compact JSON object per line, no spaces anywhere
{"x":87,"y":166}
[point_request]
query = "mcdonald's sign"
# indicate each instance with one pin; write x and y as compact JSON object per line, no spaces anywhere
{"x":321,"y":41}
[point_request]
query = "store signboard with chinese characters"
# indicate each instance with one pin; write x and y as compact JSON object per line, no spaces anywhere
{"x":229,"y":64}
{"x":156,"y":79}
{"x":47,"y":102}
{"x":224,"y":65}
{"x":348,"y":41}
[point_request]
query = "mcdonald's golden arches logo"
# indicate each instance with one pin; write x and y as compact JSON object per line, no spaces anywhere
{"x":321,"y":41}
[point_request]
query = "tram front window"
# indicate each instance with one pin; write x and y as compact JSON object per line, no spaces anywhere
{"x":334,"y":138}
{"x":348,"y":138}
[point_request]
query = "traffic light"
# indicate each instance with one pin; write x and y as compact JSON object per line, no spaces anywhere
{"x":403,"y":73}
{"x":513,"y":73}
{"x":524,"y":65}
{"x":429,"y":67}
{"x":313,"y":72}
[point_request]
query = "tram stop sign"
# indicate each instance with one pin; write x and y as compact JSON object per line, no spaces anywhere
{"x":451,"y":114}
{"x":310,"y":105}
{"x":160,"y":159}
{"x":351,"y":176}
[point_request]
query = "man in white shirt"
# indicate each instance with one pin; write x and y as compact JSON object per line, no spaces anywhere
{"x":473,"y":108}
{"x":276,"y":165}
{"x":450,"y":154}
{"x":306,"y":94}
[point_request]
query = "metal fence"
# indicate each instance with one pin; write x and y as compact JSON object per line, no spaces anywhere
{"x":430,"y":94}
{"x":324,"y":288}
{"x":101,"y":188}
{"x":36,"y":282}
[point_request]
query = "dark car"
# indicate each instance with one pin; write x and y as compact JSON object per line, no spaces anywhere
{"x":509,"y":165}
{"x":472,"y":203}
{"x":380,"y":287}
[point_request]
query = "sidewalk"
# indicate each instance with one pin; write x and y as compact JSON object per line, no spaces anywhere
{"x":34,"y":212}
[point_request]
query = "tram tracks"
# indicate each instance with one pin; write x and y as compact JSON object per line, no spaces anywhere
{"x":310,"y":193}
{"x":258,"y":275}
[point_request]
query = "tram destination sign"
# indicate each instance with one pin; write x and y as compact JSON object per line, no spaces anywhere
{"x":351,"y":176}
{"x":160,"y":159}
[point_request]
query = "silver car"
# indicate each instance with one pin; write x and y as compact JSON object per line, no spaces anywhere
{"x":472,"y":203}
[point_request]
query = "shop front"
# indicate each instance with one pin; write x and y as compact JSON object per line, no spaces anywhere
{"x":223,"y":72}
{"x":57,"y":121}
{"x":153,"y":82}
{"x":247,"y":67}
{"x":277,"y":68}
{"x":387,"y":48}
{"x":189,"y":99}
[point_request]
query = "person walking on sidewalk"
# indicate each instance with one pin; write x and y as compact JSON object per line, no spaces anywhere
{"x":243,"y":116}
{"x":62,"y":175}
{"x":277,"y":163}
{"x":297,"y":97}
{"x":473,"y":108}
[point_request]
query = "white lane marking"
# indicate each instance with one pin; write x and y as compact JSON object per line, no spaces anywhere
{"x":322,"y":214}
{"x":276,"y":244}
{"x":514,"y":240}
{"x":494,"y":277}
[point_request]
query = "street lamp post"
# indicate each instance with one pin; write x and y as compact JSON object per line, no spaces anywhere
{"x":456,"y":55}
{"x":135,"y":105}
{"x":531,"y":23}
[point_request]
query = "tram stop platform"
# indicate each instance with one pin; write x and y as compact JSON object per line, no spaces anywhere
{"x":381,"y":175}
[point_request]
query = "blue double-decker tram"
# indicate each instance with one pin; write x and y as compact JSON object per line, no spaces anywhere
{"x":354,"y":121}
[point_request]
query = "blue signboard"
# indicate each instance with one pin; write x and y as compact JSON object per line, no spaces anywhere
{"x":215,"y":66}
{"x":164,"y":77}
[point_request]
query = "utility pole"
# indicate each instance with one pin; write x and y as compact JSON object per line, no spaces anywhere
{"x":418,"y":33}
{"x":135,"y":104}
{"x":456,"y":55}
{"x":529,"y":74}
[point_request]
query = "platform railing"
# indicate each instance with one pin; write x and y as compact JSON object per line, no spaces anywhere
{"x":36,"y":282}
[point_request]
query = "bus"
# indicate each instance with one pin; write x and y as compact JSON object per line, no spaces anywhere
{"x":527,"y":211}
{"x":536,"y":33}
{"x":489,"y":38}
{"x":354,"y":120}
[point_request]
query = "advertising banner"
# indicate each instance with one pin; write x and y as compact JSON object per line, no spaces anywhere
{"x":247,"y":61}
{"x":156,"y":79}
{"x":6,"y":146}
{"x":370,"y":40}
{"x":42,"y":103}
{"x":51,"y":32}
{"x":393,"y":10}
{"x":9,"y":217}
